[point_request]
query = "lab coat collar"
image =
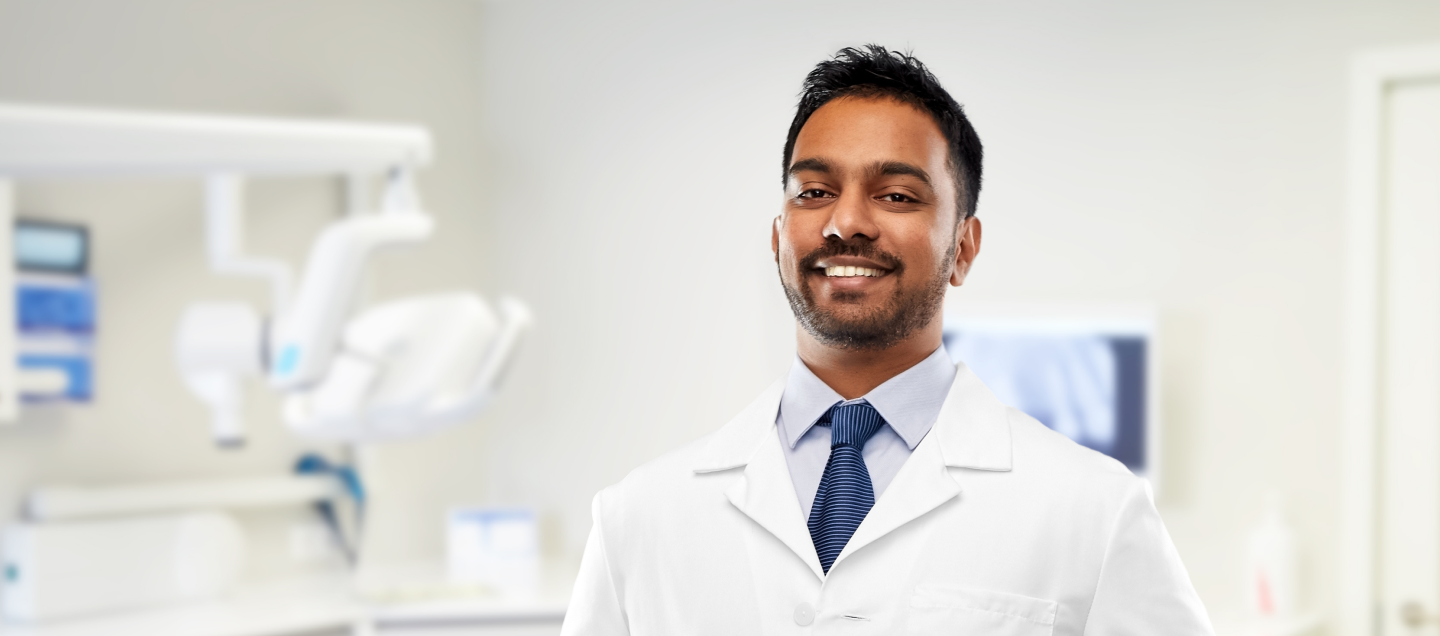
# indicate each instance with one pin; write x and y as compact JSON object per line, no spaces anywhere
{"x":972,"y":431}
{"x":734,"y":444}
{"x":974,"y":426}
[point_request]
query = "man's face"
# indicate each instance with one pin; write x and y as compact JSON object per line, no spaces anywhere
{"x":869,"y":234}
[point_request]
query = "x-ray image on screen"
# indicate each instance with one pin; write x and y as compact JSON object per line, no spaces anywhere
{"x":1088,"y":385}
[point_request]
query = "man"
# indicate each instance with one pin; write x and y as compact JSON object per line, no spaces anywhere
{"x":878,"y":489}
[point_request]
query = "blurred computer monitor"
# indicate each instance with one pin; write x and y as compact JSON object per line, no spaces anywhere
{"x":1087,"y":372}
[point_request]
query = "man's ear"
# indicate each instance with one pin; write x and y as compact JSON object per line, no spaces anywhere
{"x":775,"y":238}
{"x":967,"y":238}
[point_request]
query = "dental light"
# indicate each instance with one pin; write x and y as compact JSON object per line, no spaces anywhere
{"x":402,"y":368}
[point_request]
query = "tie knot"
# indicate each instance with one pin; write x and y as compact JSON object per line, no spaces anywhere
{"x":853,"y":424}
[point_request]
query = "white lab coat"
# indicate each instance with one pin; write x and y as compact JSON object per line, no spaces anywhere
{"x":996,"y":525}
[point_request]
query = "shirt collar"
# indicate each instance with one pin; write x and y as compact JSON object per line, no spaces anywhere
{"x":910,"y":402}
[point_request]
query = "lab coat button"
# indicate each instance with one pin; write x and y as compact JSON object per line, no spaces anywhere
{"x":804,"y":614}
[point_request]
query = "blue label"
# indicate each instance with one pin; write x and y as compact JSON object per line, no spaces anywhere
{"x":77,"y":368}
{"x":65,"y":308}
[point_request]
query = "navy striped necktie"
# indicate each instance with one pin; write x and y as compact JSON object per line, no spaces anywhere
{"x":846,"y":494}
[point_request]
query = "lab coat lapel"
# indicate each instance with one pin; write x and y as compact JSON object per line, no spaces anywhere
{"x":763,"y":491}
{"x":921,"y":485}
{"x":766,"y":494}
{"x":972,"y":432}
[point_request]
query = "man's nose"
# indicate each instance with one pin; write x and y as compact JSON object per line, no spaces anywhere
{"x":852,"y":217}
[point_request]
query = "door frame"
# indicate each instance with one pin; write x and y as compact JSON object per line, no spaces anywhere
{"x":1372,"y":75}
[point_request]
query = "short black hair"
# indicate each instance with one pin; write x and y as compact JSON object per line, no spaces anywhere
{"x":876,"y":72}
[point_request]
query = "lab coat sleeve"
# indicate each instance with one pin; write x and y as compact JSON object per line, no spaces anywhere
{"x":1143,"y":587}
{"x":595,"y":603}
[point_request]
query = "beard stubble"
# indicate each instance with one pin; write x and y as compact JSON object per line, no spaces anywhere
{"x":902,"y":314}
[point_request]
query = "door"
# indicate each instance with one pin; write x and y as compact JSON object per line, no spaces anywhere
{"x":1408,"y":462}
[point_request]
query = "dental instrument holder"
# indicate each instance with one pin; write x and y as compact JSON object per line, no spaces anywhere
{"x":349,"y":478}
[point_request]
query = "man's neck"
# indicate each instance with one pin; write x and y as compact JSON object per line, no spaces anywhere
{"x":853,"y":373}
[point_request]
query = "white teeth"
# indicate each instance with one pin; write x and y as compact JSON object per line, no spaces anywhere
{"x":846,"y":271}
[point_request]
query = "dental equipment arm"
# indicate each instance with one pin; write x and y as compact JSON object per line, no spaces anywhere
{"x":400,"y":369}
{"x":303,"y":339}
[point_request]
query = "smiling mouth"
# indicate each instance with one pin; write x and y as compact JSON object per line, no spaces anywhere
{"x":847,"y":271}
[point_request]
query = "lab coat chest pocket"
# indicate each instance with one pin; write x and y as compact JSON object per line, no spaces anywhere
{"x":947,"y":611}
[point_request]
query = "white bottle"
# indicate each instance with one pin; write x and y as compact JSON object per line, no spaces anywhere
{"x":1273,"y":574}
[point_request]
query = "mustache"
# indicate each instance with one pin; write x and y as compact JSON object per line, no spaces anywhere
{"x":864,"y":249}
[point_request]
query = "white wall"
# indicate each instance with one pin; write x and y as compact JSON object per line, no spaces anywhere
{"x":386,"y":60}
{"x":1189,"y":154}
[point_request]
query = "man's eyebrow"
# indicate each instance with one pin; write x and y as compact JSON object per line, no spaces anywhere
{"x":899,"y":168}
{"x":813,"y":164}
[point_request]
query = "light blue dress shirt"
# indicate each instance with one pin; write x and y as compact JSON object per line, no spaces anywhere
{"x":910,"y":403}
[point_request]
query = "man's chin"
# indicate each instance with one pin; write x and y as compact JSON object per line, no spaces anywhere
{"x":854,"y":315}
{"x":861,"y":331}
{"x":849,"y":319}
{"x":855,"y":340}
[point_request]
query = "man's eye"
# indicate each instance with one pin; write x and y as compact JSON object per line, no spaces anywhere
{"x":896,"y":197}
{"x":813,"y":193}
